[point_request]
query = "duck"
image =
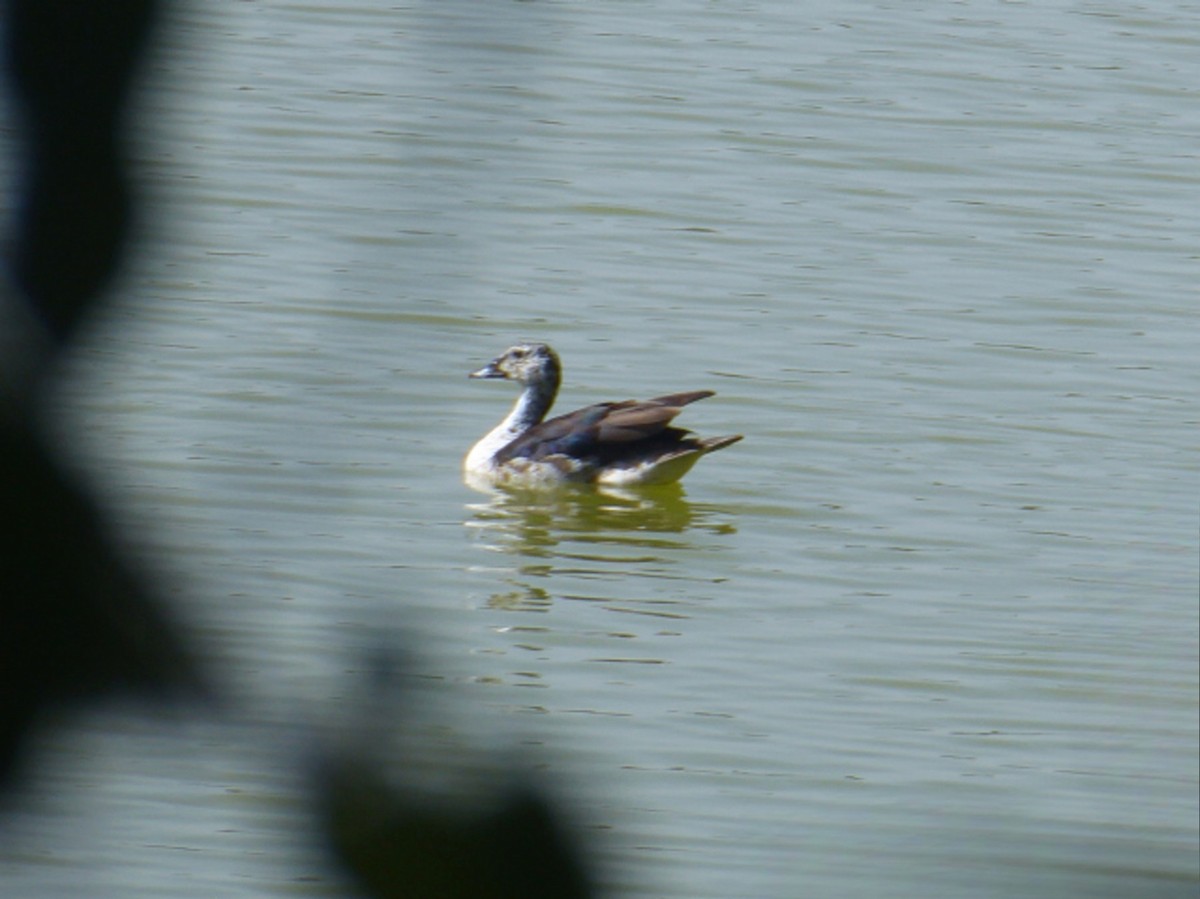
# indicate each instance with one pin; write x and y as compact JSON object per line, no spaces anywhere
{"x":617,"y":444}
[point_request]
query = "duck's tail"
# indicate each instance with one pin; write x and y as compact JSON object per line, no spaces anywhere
{"x":712,"y":444}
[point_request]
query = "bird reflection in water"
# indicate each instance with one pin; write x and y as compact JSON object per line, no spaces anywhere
{"x":587,"y":533}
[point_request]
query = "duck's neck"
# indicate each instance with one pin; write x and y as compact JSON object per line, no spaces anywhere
{"x":531,"y":407}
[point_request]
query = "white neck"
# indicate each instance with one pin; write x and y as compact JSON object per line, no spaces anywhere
{"x":530,"y":408}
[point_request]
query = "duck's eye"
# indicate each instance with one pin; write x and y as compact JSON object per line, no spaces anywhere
{"x":519,"y":353}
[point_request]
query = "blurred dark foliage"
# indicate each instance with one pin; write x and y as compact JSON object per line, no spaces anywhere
{"x":78,"y":619}
{"x":69,"y":67}
{"x":397,"y":844}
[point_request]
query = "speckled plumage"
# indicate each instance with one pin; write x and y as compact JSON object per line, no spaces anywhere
{"x":619,"y":444}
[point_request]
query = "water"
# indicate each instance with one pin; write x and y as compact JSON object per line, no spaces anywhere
{"x":931,"y":629}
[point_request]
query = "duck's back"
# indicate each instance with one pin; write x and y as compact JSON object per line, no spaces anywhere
{"x":629,"y":442}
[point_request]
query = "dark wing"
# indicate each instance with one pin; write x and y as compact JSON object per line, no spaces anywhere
{"x":606,"y":431}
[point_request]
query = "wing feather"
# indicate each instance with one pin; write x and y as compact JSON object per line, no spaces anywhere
{"x":605,"y":432}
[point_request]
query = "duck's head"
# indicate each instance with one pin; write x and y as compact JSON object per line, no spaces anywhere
{"x":526,"y":363}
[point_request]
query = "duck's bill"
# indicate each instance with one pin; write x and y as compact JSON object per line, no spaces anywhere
{"x":488,"y":371}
